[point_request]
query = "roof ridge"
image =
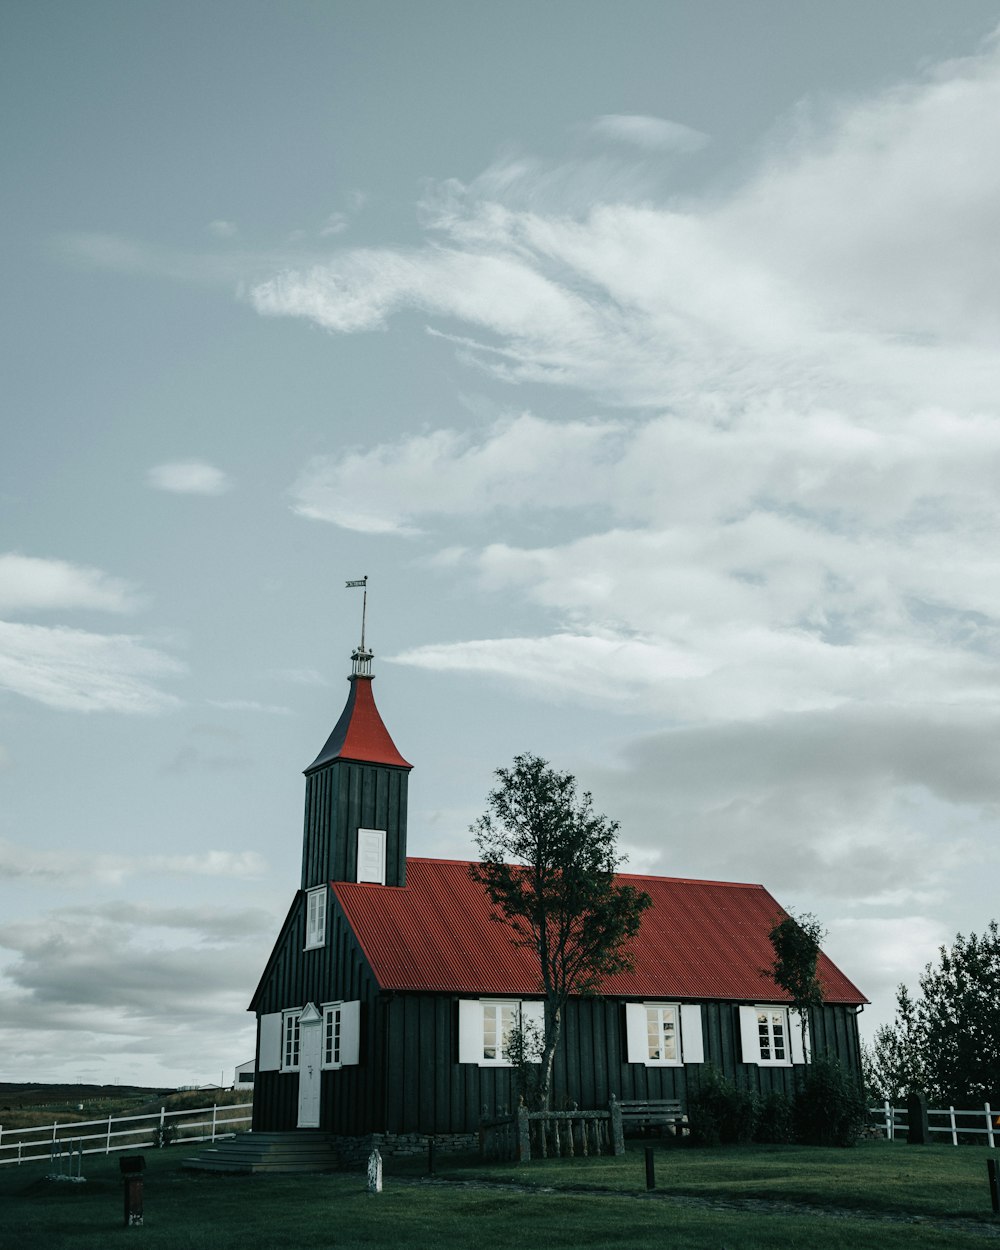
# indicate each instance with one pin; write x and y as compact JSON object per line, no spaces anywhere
{"x":640,"y":876}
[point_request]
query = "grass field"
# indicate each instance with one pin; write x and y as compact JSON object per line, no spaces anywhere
{"x":866,"y":1195}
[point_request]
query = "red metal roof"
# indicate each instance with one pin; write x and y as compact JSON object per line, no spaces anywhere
{"x":360,"y":733}
{"x":700,"y":939}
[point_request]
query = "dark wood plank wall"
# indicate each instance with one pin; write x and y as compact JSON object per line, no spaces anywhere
{"x":353,"y":1098}
{"x":432,"y":1092}
{"x":341,"y":798}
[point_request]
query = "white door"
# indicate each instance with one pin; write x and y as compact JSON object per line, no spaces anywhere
{"x":310,"y":1040}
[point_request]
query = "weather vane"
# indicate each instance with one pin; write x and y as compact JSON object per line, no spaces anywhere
{"x":363,"y":583}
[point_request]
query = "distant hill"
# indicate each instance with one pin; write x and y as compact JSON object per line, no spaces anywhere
{"x":17,"y":1096}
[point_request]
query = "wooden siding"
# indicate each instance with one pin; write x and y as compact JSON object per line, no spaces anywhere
{"x":430,"y":1092}
{"x":353,"y":1098}
{"x":341,"y":798}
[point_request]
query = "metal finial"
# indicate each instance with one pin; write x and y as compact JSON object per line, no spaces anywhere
{"x":361,"y":659}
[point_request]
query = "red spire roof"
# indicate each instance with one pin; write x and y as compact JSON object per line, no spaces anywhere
{"x":360,"y":734}
{"x":700,"y":939}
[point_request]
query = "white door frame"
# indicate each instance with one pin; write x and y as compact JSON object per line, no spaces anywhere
{"x":310,"y":1075}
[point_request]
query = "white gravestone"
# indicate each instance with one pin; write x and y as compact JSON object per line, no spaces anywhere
{"x":375,"y":1172}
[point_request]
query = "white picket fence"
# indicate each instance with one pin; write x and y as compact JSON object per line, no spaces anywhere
{"x":984,"y":1121}
{"x":122,"y":1132}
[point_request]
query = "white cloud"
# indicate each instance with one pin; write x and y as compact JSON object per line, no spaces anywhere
{"x":249,"y":705}
{"x":189,"y":477}
{"x":133,"y":985}
{"x":655,"y":134}
{"x":80,"y":671}
{"x":79,"y":869}
{"x":335,"y":224}
{"x":223,"y":229}
{"x":587,"y":667}
{"x":30,"y":583}
{"x":521,"y":463}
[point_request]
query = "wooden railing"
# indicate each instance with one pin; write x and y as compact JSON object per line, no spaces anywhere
{"x":552,"y":1134}
{"x":982,"y":1122}
{"x":123,"y":1132}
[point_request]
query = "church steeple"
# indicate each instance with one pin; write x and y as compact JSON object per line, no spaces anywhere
{"x":356,"y":791}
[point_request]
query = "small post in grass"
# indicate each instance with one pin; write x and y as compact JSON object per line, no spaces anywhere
{"x":375,"y":1171}
{"x":993,"y":1174}
{"x":132,"y":1168}
{"x":650,"y":1169}
{"x":430,"y":1156}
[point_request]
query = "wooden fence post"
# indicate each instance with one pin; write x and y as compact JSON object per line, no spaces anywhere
{"x":523,"y":1135}
{"x":918,"y":1131}
{"x":617,"y":1128}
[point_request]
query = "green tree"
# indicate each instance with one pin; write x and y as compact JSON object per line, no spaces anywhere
{"x":893,"y":1064}
{"x":946,"y":1041}
{"x":795,"y":941}
{"x":548,"y":863}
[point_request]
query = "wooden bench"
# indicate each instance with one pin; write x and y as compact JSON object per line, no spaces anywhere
{"x":647,"y":1113}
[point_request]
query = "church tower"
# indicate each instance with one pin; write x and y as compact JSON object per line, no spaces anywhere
{"x":355,"y":815}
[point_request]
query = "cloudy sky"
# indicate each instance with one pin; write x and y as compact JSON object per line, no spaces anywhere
{"x":644,"y":356}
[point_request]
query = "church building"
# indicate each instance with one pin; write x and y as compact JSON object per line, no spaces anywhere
{"x":382,"y":1009}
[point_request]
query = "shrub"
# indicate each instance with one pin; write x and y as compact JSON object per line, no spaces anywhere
{"x":718,"y":1112}
{"x":829,"y":1107}
{"x":776,"y":1121}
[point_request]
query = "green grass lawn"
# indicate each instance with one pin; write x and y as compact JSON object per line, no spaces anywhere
{"x":939,"y":1181}
{"x":204,"y":1211}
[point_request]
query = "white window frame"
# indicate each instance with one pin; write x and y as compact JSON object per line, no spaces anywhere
{"x":472,"y":1028}
{"x":689,"y":1045}
{"x":752,"y":1037}
{"x":333,"y":1036}
{"x":291,"y":1041}
{"x":371,"y":856}
{"x":346,"y":1017}
{"x":659,"y":1015}
{"x":316,"y":917}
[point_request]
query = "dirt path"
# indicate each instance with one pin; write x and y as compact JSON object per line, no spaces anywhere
{"x":756,"y":1206}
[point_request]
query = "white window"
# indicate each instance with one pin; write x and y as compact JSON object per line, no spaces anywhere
{"x":498,"y":1020}
{"x":371,"y":855}
{"x":341,"y":1034}
{"x":771,"y":1036}
{"x":661,"y":1035}
{"x":290,"y":1035}
{"x":484,"y":1025}
{"x":332,"y":1033}
{"x":316,"y":917}
{"x":664,"y":1034}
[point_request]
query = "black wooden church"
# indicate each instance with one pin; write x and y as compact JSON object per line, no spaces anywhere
{"x":384,"y":1004}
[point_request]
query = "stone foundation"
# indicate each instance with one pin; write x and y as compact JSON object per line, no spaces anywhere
{"x":353,"y":1152}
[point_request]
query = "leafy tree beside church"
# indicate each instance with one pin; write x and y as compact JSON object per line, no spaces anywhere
{"x":946,"y":1040}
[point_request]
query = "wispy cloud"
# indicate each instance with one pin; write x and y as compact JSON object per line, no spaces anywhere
{"x":520,"y":463}
{"x":655,"y":134}
{"x":80,"y":671}
{"x":31,"y":583}
{"x":78,"y":869}
{"x":189,"y":477}
{"x":250,"y":705}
